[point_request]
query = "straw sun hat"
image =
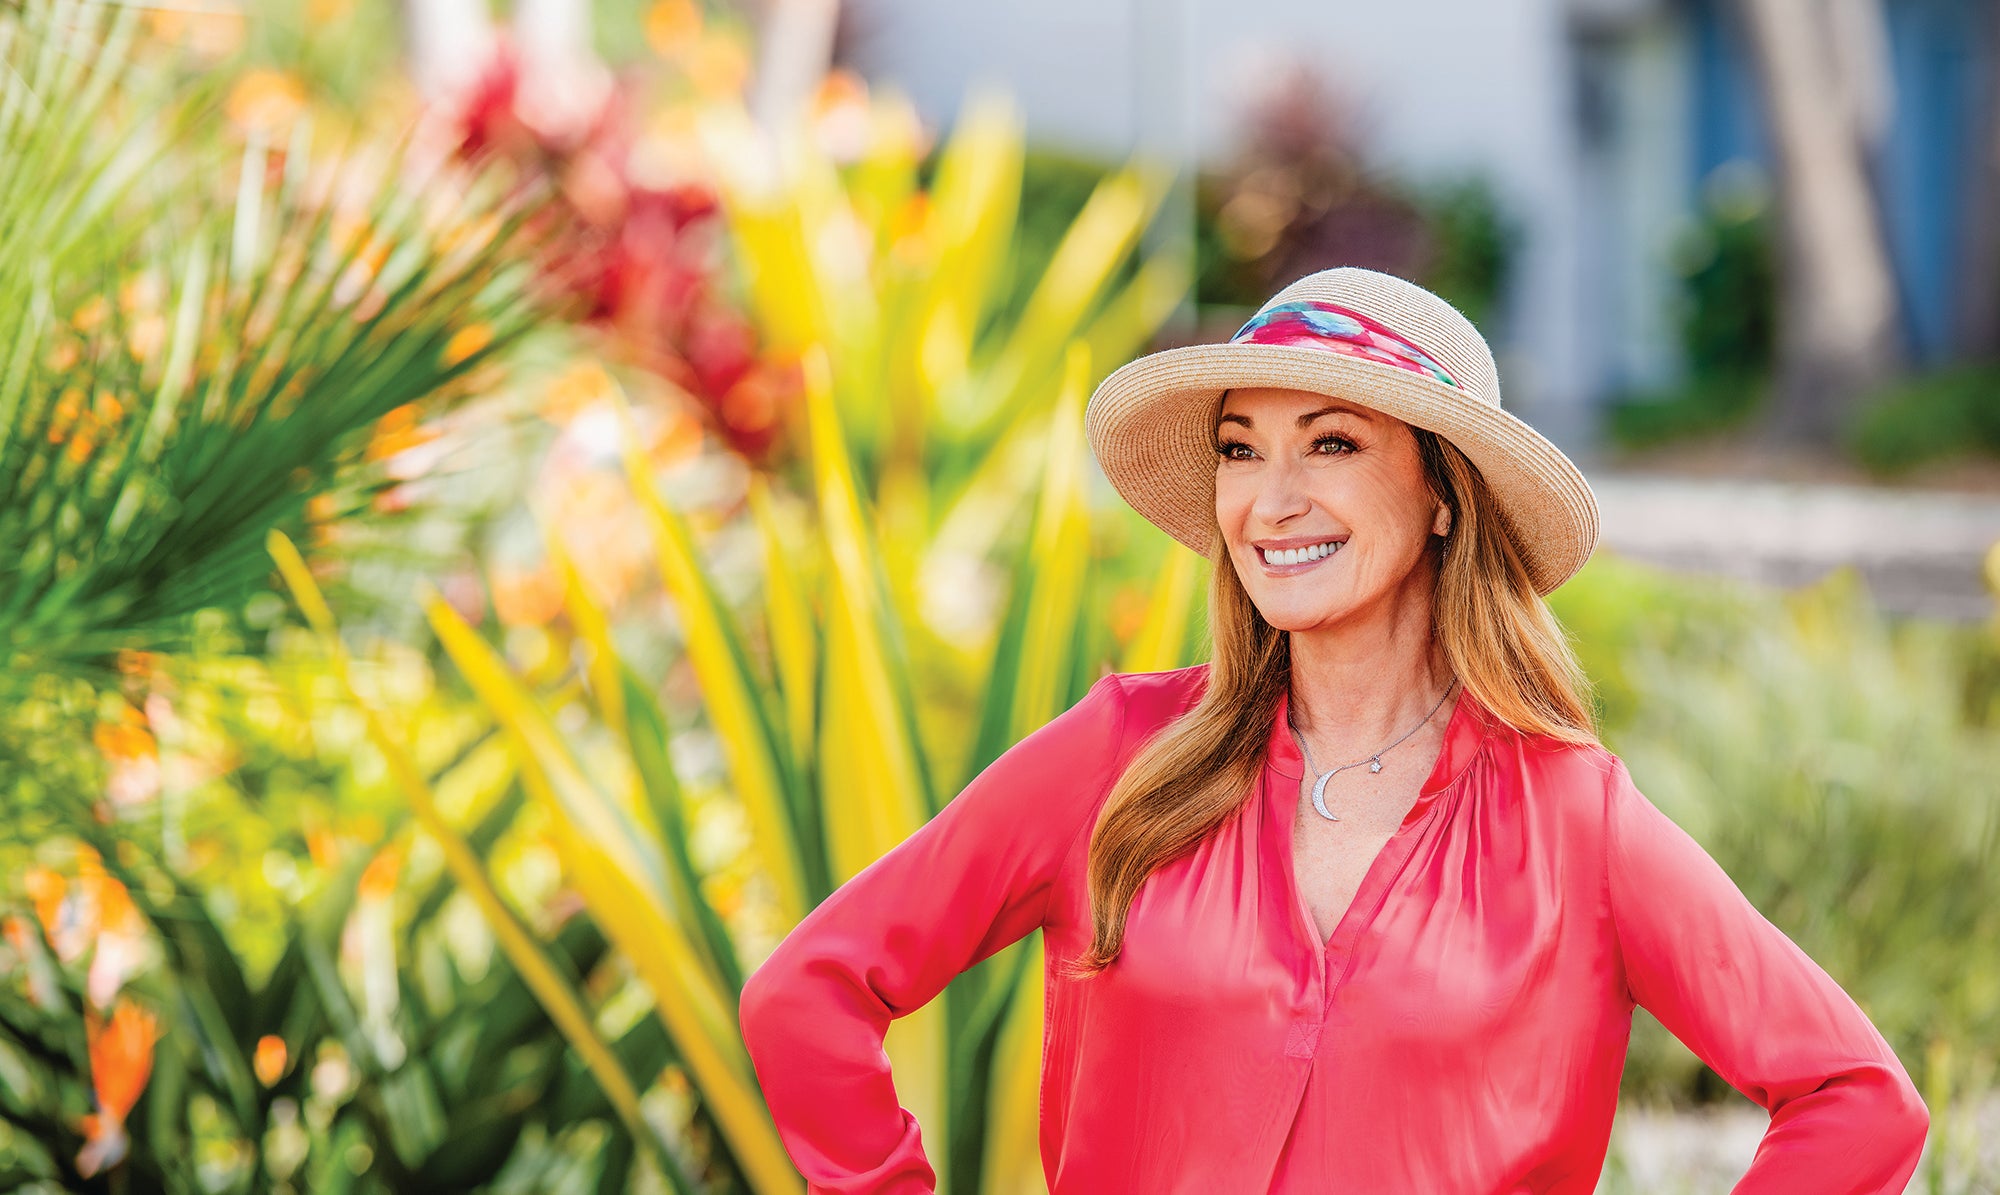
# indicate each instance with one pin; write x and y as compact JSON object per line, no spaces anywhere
{"x":1364,"y":336}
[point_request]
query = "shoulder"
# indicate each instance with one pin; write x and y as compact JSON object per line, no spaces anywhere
{"x":1575,"y":785}
{"x":1153,"y":699}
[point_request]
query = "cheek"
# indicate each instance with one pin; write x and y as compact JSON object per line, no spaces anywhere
{"x":1234,"y":495}
{"x":1382,"y":506}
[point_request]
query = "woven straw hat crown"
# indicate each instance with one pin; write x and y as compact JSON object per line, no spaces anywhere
{"x":1364,"y":336}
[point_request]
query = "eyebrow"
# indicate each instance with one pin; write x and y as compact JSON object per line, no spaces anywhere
{"x":1304,"y":420}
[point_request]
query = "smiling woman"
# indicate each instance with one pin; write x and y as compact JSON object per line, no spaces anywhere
{"x":1412,"y":970}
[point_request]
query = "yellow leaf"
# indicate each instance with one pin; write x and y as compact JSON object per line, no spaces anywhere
{"x":623,"y":882}
{"x":549,"y":986}
{"x":1160,"y":641}
{"x":1059,"y":561}
{"x":1013,"y":1160}
{"x":730,"y":693}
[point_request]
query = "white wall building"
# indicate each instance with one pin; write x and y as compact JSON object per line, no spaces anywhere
{"x":1594,"y":120}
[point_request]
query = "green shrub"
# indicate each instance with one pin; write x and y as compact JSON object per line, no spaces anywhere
{"x":1838,"y":764}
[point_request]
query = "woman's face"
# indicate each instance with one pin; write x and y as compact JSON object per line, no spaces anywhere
{"x":1298,"y":470}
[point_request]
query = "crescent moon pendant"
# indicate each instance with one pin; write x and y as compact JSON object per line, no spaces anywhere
{"x":1319,"y":797}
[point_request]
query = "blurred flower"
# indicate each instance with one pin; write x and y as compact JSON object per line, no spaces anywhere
{"x":397,"y":432}
{"x":842,"y":116}
{"x":467,"y":341}
{"x":325,"y":12}
{"x":90,"y":913}
{"x":603,"y":530}
{"x":268,"y":1061}
{"x":368,"y":943}
{"x":121,"y":1060}
{"x":581,"y":386}
{"x":265,"y":100}
{"x":89,"y":315}
{"x":44,"y":985}
{"x":213,"y":33}
{"x":1128,"y":612}
{"x":718,"y":67}
{"x":147,"y":337}
{"x":526,"y":597}
{"x":128,"y":747}
{"x":673,"y":27}
{"x":636,"y":236}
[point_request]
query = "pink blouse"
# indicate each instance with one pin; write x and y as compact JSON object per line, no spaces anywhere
{"x":1463,"y":1030}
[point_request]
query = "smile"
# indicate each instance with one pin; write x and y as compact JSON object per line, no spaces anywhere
{"x":1286,"y":561}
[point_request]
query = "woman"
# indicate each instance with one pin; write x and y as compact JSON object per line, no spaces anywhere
{"x":1361,"y":903}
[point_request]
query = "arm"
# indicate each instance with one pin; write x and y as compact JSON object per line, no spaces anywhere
{"x":975,"y":878}
{"x":1757,"y":1009}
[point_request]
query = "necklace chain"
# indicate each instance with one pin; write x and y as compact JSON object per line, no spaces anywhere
{"x":1374,"y":761}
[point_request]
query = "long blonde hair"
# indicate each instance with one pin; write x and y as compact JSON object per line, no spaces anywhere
{"x":1498,"y":636}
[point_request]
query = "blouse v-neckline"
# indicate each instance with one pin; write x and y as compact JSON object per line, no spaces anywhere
{"x":1464,"y":732}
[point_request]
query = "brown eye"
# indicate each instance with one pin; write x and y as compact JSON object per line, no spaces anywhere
{"x":1226,"y":449}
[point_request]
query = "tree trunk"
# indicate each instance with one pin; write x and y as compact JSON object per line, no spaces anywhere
{"x":1822,"y":70}
{"x":563,"y":84}
{"x":796,"y":48}
{"x":1978,"y":315}
{"x":450,"y":44}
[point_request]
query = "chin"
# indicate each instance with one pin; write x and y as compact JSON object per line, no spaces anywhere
{"x":1294,"y":617}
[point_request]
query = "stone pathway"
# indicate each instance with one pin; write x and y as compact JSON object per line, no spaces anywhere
{"x":1920,"y":551}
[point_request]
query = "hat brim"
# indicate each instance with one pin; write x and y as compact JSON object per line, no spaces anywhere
{"x":1151,"y":424}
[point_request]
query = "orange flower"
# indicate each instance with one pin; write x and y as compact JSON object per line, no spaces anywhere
{"x":673,"y":27}
{"x":269,"y":1059}
{"x":526,"y":597}
{"x":378,"y":879}
{"x":121,"y":1060}
{"x":324,"y":846}
{"x":396,"y":432}
{"x":148,"y":337}
{"x":121,"y":1055}
{"x":676,"y":439}
{"x":212,"y":35}
{"x":125,"y":740}
{"x":141,"y":292}
{"x":140,"y":664}
{"x":265,"y":99}
{"x":467,"y":341}
{"x":1128,"y":613}
{"x":90,"y":313}
{"x":69,"y":408}
{"x":46,"y":890}
{"x":718,"y":66}
{"x":574,"y":389}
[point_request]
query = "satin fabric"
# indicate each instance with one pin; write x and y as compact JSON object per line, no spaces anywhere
{"x":1463,"y":1030}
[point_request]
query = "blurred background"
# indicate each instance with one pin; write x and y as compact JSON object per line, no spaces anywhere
{"x":504,"y":508}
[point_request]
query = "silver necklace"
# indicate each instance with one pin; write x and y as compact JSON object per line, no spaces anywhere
{"x":1374,"y":761}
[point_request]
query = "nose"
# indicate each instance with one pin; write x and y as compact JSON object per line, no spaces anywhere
{"x":1281,"y":492}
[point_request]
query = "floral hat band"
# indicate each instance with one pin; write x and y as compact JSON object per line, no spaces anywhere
{"x":1317,"y":324}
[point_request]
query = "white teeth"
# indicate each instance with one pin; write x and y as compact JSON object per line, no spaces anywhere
{"x":1301,"y":555}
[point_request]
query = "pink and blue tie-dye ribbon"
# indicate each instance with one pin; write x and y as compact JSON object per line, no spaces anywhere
{"x":1329,"y":327}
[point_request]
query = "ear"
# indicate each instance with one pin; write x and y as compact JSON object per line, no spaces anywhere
{"x":1441,"y":521}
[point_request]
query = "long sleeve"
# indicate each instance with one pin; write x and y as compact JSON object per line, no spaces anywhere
{"x":972,"y":880}
{"x":1758,"y":1010}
